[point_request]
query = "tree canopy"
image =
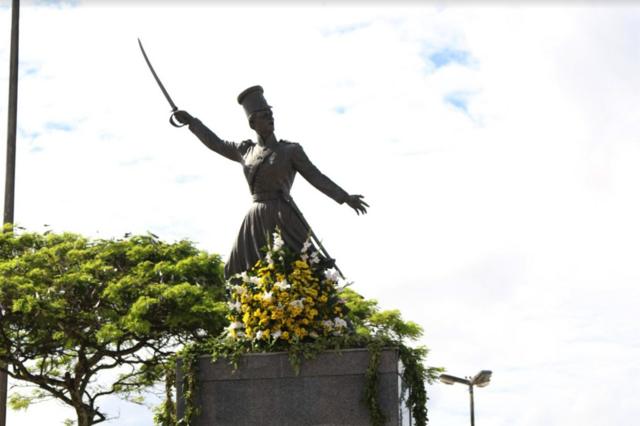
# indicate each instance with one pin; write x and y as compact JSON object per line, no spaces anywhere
{"x":72,"y":307}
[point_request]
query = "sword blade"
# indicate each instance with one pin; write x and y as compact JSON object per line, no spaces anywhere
{"x":164,"y":91}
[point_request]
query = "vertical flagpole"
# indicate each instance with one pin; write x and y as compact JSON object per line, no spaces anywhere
{"x":11,"y":161}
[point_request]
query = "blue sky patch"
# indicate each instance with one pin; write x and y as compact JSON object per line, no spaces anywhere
{"x":459,"y":100}
{"x":28,"y":68}
{"x":447,"y":56}
{"x":436,"y":58}
{"x":26,"y":134}
{"x":58,"y":125}
{"x":345,"y":29}
{"x":57,"y":3}
{"x":340,"y":109}
{"x":30,"y":71}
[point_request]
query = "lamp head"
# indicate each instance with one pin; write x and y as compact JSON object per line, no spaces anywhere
{"x":482,"y":379}
{"x":449,"y":380}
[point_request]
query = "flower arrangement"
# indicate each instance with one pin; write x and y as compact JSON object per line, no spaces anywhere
{"x":298,"y":303}
{"x":286,"y":298}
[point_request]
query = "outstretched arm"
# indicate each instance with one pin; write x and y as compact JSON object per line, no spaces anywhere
{"x":311,"y":173}
{"x":207,"y":137}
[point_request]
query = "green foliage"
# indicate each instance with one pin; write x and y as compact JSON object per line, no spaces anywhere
{"x":71,"y":307}
{"x":373,"y":328}
{"x":17,"y":401}
{"x":165,"y":414}
{"x":371,"y":389}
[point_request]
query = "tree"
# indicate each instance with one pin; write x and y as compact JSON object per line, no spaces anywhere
{"x":72,"y":308}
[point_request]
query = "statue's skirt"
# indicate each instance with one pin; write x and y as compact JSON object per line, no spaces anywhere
{"x":257,"y":228}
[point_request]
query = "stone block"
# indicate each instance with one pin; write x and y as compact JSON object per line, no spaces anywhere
{"x":265,"y":390}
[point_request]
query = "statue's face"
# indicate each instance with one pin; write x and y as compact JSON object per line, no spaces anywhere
{"x":262,"y":122}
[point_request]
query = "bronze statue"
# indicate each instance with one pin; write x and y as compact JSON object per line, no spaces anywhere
{"x":270,"y":167}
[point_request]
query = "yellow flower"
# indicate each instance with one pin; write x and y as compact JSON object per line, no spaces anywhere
{"x":301,"y":264}
{"x":285,"y":335}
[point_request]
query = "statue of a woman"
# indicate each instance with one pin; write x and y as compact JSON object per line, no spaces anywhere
{"x":270,"y":167}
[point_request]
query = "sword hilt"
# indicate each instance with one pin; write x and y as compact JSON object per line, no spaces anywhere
{"x":173,"y":121}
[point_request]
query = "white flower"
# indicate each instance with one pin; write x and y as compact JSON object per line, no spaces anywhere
{"x":234,"y":306}
{"x":327,"y":324}
{"x":268,"y":296}
{"x":243,"y":275}
{"x":282,"y":285}
{"x":278,"y":243}
{"x":332,"y":274}
{"x":313,"y":335}
{"x":238,"y":289}
{"x":297,"y":303}
{"x":276,"y":334}
{"x":236,"y":325}
{"x":268,"y":258}
{"x":304,"y":257}
{"x":339,"y":322}
{"x":307,"y":244}
{"x":259,"y":335}
{"x":254,"y":280}
{"x":315,"y":257}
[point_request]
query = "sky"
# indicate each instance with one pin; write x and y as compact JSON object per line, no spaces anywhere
{"x":497,"y":143}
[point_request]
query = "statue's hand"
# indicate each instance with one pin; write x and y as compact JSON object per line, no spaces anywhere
{"x":183,"y":117}
{"x":357,"y":203}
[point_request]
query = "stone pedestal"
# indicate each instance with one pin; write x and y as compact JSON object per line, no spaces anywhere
{"x":265,"y":391}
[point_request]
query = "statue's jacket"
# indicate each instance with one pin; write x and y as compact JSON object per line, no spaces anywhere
{"x":270,"y":172}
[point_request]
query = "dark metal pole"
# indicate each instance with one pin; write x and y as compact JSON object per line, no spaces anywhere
{"x":10,"y":180}
{"x":473,"y":421}
{"x":13,"y":115}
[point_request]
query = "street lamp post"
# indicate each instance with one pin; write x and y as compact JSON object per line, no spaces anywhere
{"x":481,"y":380}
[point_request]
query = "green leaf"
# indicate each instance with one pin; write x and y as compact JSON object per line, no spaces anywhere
{"x":17,"y":401}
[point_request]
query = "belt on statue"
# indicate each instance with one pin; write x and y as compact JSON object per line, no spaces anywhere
{"x":270,"y":195}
